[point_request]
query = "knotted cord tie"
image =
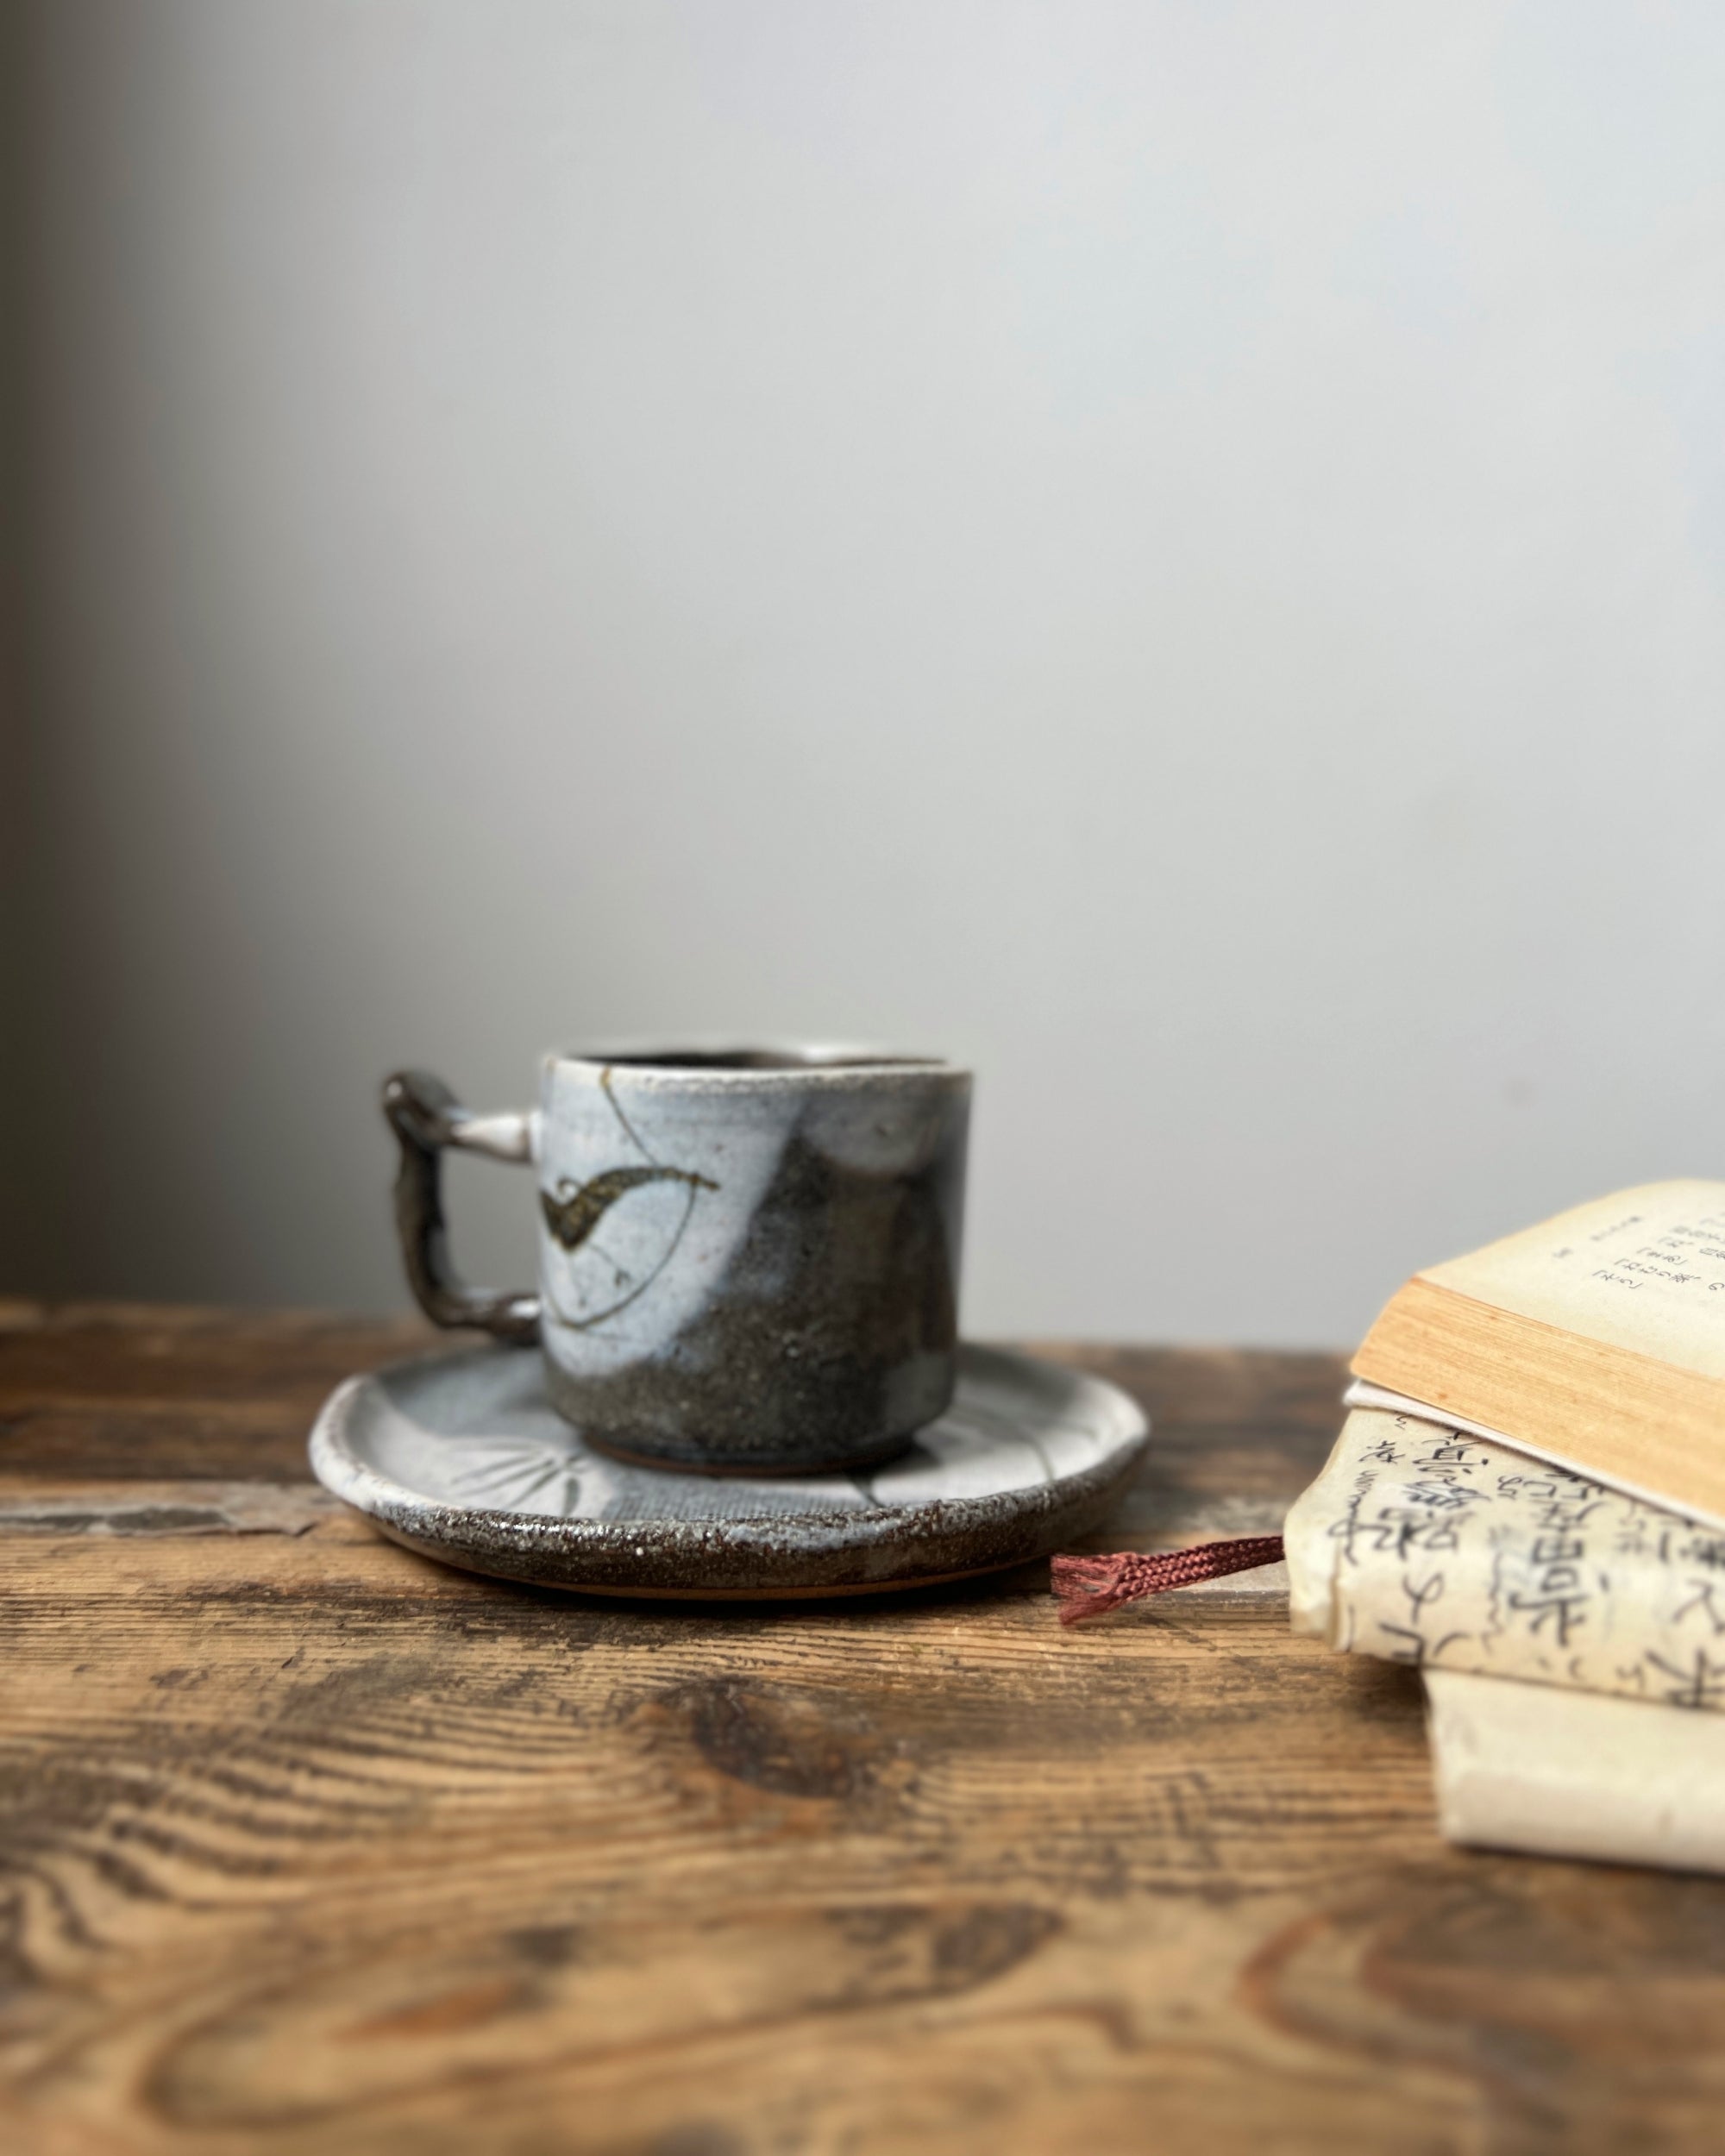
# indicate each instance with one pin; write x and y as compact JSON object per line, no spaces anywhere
{"x":1090,"y":1587}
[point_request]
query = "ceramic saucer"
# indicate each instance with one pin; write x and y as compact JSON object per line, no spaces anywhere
{"x":463,"y":1457}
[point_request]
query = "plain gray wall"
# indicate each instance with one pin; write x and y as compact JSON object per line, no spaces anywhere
{"x":1174,"y":551}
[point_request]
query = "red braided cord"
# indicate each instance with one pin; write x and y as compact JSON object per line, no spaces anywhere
{"x":1089,"y":1587}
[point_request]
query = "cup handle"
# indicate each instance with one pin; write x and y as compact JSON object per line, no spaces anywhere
{"x":426,"y":1117}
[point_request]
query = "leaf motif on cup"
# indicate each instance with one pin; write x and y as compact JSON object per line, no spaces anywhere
{"x":575,"y":1210}
{"x":573,"y":1213}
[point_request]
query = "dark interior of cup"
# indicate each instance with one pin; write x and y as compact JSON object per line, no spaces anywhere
{"x":757,"y":1059}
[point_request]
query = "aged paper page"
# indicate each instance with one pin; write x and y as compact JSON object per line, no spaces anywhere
{"x":1644,"y":1271}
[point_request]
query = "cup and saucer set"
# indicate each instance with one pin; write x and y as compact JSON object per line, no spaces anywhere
{"x":741,"y":1375}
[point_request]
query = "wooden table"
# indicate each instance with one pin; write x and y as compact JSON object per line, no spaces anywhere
{"x":310,"y":1845}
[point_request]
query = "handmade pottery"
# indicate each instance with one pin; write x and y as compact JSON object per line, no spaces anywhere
{"x":748,"y":1260}
{"x":464,"y":1456}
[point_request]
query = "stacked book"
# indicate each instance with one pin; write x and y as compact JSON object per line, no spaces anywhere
{"x":1528,"y":1503}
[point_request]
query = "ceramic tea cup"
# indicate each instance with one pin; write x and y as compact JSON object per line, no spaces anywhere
{"x":748,"y":1259}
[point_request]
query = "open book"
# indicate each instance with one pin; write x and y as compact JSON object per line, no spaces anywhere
{"x":1596,"y":1340}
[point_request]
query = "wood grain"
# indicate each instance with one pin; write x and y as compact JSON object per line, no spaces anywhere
{"x":307,"y":1844}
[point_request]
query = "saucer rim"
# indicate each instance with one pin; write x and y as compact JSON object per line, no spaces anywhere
{"x":821,"y":1552}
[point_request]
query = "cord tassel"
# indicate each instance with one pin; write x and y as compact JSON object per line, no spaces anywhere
{"x":1090,"y":1587}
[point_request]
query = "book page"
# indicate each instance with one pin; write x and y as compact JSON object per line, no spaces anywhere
{"x":1422,"y":1545}
{"x":1643,"y":1270}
